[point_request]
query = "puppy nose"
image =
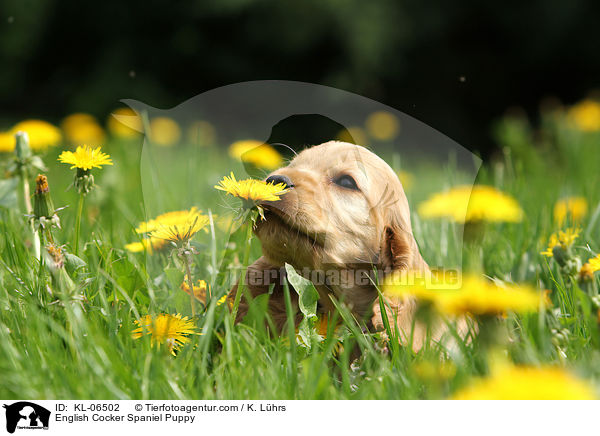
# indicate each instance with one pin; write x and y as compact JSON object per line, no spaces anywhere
{"x":279,"y":178}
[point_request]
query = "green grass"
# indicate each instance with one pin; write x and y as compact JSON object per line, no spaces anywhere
{"x":79,"y":345}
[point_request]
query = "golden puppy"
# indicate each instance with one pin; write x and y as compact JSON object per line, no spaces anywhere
{"x":345,"y":213}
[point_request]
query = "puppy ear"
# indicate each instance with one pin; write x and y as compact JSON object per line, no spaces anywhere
{"x":395,"y":251}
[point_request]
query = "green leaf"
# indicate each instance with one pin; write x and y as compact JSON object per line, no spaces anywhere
{"x":306,"y":331}
{"x":308,"y":295}
{"x":307,"y":301}
{"x":8,"y":193}
{"x":74,"y":263}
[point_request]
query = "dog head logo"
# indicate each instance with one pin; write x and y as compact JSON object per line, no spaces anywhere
{"x":26,"y":415}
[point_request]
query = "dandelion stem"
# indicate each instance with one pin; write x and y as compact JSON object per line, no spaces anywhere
{"x":242,"y":281}
{"x":25,"y":192}
{"x":25,"y":197}
{"x":41,"y":273}
{"x":78,"y":224}
{"x":23,"y":160}
{"x":213,"y":254}
{"x":187,"y":261}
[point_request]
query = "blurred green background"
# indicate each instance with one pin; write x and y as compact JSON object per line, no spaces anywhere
{"x":457,"y":66}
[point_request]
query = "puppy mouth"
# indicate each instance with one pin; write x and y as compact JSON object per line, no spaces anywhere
{"x":275,"y":216}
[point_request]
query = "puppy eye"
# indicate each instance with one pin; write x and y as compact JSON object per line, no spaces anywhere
{"x":347,"y":182}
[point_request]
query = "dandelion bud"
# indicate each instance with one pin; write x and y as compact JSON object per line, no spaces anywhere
{"x":41,"y":184}
{"x":560,"y":255}
{"x":44,"y":213}
{"x":42,"y":202}
{"x":84,"y":181}
{"x":54,"y":256}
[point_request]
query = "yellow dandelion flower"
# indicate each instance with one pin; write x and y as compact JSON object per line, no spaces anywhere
{"x":124,"y":123}
{"x":253,"y":191}
{"x":353,"y":135}
{"x":137,"y":247}
{"x":82,"y":129}
{"x":85,"y":158}
{"x":552,"y":242}
{"x":147,"y":244}
{"x":257,"y":153}
{"x":383,"y":125}
{"x":528,"y":383}
{"x":7,"y":142}
{"x":481,"y":297}
{"x":585,"y":115}
{"x":174,"y":218}
{"x":478,"y":203}
{"x":595,"y":263}
{"x":180,"y":232}
{"x":322,"y":325}
{"x":42,"y":134}
{"x":568,"y":236}
{"x":172,"y":330}
{"x":574,"y":207}
{"x":222,"y":300}
{"x":586,"y":272}
{"x":589,"y":268}
{"x":200,"y":288}
{"x":423,"y":285}
{"x":474,"y":295}
{"x":564,"y":239}
{"x":164,"y":131}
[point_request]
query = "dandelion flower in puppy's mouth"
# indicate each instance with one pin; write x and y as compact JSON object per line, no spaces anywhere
{"x":171,"y":330}
{"x":251,"y":191}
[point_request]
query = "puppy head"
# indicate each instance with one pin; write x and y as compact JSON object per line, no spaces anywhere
{"x":345,"y":209}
